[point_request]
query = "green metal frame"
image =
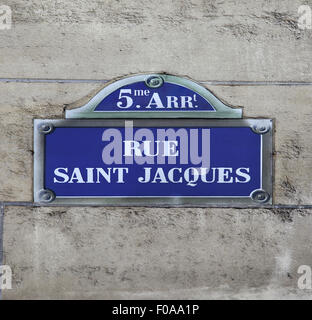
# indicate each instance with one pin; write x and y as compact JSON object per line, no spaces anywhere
{"x":221,"y":111}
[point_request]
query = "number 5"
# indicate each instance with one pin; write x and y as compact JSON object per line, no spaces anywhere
{"x":129,"y":100}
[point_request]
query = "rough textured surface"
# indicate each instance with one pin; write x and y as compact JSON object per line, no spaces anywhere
{"x":204,"y":39}
{"x":288,"y":106}
{"x":155,"y":253}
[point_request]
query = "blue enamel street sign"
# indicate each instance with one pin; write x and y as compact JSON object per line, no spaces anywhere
{"x":157,"y":96}
{"x":168,"y":97}
{"x":153,"y":162}
{"x":135,"y":155}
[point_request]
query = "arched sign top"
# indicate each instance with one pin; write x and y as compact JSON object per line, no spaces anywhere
{"x":154,"y":96}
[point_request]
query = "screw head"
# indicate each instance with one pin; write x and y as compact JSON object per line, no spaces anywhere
{"x":46,"y":195}
{"x":154,"y":81}
{"x":45,"y":128}
{"x":260,"y":128}
{"x":260,"y":196}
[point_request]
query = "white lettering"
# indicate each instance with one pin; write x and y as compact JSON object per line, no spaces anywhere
{"x":60,"y":174}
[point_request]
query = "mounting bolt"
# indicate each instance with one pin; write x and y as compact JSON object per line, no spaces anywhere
{"x":260,"y":196}
{"x":154,"y":81}
{"x":260,"y":128}
{"x":46,"y":128}
{"x":46,"y":195}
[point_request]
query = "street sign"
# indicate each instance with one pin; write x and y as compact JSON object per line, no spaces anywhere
{"x":154,"y":96}
{"x":153,"y":139}
{"x":153,"y":162}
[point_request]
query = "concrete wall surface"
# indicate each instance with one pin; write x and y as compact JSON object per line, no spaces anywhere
{"x":251,"y":54}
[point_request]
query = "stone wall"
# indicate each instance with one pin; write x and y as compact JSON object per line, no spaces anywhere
{"x":250,"y":54}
